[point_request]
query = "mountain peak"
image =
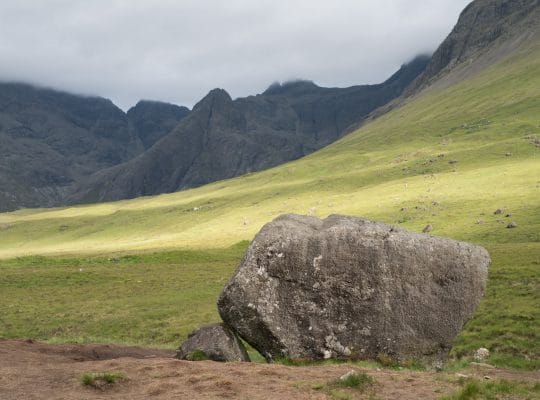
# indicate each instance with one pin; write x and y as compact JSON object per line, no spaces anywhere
{"x":154,"y":106}
{"x":295,"y":87}
{"x":219,"y":93}
{"x":215,"y":98}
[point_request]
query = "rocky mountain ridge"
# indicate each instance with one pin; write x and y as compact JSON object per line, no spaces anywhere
{"x":58,"y":149}
{"x":484,"y":26}
{"x":222,"y":138}
{"x":49,"y":140}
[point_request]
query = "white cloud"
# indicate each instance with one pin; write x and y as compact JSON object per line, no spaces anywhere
{"x":178,"y":50}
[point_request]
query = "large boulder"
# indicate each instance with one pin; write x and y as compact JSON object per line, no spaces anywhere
{"x":345,"y":287}
{"x":212,"y":342}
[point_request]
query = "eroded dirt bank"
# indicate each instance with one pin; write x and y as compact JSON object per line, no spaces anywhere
{"x":34,"y":370}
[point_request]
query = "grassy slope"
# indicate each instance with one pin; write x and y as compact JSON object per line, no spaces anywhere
{"x":395,"y":169}
{"x":151,"y":299}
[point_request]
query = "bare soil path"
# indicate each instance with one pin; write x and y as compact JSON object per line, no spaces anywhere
{"x":33,"y":370}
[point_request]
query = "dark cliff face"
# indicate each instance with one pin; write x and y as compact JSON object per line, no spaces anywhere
{"x":222,"y":138}
{"x":50,"y":140}
{"x":152,"y":120}
{"x":482,"y":26}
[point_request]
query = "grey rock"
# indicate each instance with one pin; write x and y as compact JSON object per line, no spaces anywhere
{"x":481,"y":354}
{"x":346,"y":287}
{"x":512,"y":225}
{"x":216,"y":341}
{"x":428,"y":228}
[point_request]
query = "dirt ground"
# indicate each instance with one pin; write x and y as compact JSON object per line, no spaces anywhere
{"x":33,"y":370}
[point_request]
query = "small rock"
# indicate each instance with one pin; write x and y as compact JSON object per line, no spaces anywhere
{"x":452,"y":162}
{"x":508,"y":154}
{"x":435,"y":203}
{"x":512,"y":225}
{"x":481,"y":354}
{"x":508,"y":215}
{"x":438,"y":365}
{"x":215,"y":342}
{"x":479,"y":222}
{"x":486,"y":377}
{"x":428,"y":228}
{"x":499,"y":211}
{"x":346,"y":376}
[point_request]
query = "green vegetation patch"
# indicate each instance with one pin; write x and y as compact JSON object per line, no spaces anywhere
{"x":152,"y":299}
{"x":346,"y":386}
{"x":99,"y":379}
{"x":197,"y":355}
{"x":495,"y":390}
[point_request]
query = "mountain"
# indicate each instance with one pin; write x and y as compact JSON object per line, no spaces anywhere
{"x":60,"y":149}
{"x":50,"y":140}
{"x":223,"y":138}
{"x":152,"y":120}
{"x":487,"y":31}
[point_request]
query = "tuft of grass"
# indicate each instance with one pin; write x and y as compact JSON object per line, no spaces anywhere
{"x":197,"y":355}
{"x":339,"y":395}
{"x":359,"y":381}
{"x":495,"y":390}
{"x":97,"y":379}
{"x":346,"y":386}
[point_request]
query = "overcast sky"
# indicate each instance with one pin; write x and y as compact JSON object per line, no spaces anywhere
{"x":178,"y":50}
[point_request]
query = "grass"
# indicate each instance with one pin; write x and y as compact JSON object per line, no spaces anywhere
{"x":396,"y":169}
{"x":495,"y":390}
{"x":149,"y":299}
{"x":354,"y":380}
{"x":98,"y":378}
{"x":346,"y":386}
{"x":197,"y":355}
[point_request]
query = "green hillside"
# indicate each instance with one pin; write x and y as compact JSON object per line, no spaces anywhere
{"x":450,"y":158}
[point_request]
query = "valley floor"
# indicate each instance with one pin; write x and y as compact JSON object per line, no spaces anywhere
{"x":34,"y":370}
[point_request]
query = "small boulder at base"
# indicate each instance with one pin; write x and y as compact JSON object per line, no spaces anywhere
{"x":346,"y":287}
{"x":213,"y":342}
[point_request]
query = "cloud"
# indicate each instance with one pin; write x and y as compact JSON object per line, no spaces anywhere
{"x":177,"y":51}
